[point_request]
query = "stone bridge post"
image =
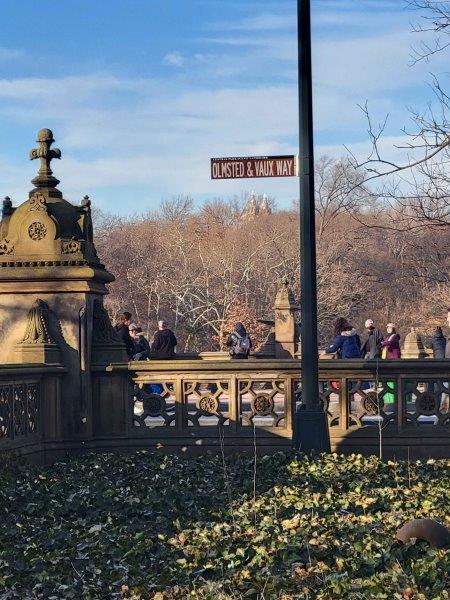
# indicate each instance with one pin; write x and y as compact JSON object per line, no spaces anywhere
{"x":52,"y":286}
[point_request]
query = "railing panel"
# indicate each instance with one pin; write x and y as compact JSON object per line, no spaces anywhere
{"x":154,"y":405}
{"x":426,"y":402}
{"x":19,"y":409}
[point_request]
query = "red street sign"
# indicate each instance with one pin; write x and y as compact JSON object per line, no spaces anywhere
{"x":254,"y":166}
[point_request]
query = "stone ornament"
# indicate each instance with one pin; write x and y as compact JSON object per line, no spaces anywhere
{"x":426,"y":404}
{"x":372,"y":403}
{"x":45,"y":155}
{"x":154,"y":405}
{"x":37,"y":329}
{"x":37,"y":203}
{"x":208,"y":405}
{"x":37,"y":231}
{"x":6,"y":247}
{"x":262,"y":405}
{"x":70,"y":246}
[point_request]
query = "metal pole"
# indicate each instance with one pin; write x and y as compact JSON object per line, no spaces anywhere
{"x":311,"y":428}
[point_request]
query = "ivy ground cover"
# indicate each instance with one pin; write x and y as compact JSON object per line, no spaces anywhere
{"x":147,"y":525}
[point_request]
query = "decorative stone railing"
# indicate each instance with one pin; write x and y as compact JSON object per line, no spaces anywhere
{"x":30,"y":408}
{"x":392,"y":408}
{"x":400,"y":406}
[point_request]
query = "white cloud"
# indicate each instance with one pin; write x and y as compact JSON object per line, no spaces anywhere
{"x":174,"y":59}
{"x":7,"y":54}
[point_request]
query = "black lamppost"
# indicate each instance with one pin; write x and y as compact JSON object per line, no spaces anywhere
{"x":310,"y":423}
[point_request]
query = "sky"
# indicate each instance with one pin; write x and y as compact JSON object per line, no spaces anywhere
{"x":141,"y":93}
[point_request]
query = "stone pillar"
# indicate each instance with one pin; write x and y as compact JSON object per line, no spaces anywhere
{"x":52,"y":286}
{"x":413,"y":346}
{"x":286,"y":328}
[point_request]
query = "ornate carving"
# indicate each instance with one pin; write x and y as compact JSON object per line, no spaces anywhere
{"x":37,"y":331}
{"x":43,"y":152}
{"x":6,"y":247}
{"x":208,"y":405}
{"x":426,"y":403}
{"x":153,"y":405}
{"x":44,"y":263}
{"x":102,"y":330}
{"x":37,"y":231}
{"x":262,"y":405}
{"x":70,"y":246}
{"x":372,"y":403}
{"x":37,"y":203}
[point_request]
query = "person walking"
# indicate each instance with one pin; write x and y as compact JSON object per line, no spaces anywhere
{"x":346,"y":342}
{"x":123,"y":332}
{"x":371,"y":341}
{"x":391,"y":345}
{"x":164,"y":342}
{"x":239,"y":343}
{"x":141,"y":345}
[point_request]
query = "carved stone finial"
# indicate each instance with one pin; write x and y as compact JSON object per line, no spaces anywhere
{"x":46,"y":155}
{"x":37,"y":331}
{"x":7,"y":206}
{"x":86,"y":201}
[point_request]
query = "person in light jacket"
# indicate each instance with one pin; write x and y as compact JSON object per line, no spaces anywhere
{"x":346,"y":342}
{"x":391,"y":345}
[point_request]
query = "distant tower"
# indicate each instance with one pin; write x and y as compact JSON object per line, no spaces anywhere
{"x":264,"y":208}
{"x":251,"y":210}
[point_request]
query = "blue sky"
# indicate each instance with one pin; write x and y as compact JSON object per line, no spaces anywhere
{"x":140,"y":93}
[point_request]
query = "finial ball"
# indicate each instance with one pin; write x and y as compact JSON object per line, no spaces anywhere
{"x":45,"y":135}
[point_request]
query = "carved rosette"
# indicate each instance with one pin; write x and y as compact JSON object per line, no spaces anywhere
{"x":426,"y":404}
{"x":154,"y":405}
{"x":37,"y":329}
{"x":262,"y":405}
{"x":208,"y":405}
{"x":37,"y":231}
{"x":372,"y":403}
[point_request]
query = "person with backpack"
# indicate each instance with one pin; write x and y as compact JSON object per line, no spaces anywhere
{"x":239,"y":342}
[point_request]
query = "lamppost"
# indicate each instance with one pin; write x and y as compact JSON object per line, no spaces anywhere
{"x":310,"y":423}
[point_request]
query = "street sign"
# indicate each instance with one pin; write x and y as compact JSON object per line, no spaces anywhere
{"x":254,"y":166}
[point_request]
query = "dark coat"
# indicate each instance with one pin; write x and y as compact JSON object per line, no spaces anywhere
{"x":232,"y":342}
{"x":163,"y":345}
{"x":438,"y":343}
{"x":124,"y":335}
{"x":141,"y":347}
{"x":371,"y":341}
{"x":447,"y":349}
{"x":346,"y":345}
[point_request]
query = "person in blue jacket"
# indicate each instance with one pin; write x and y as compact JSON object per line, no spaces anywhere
{"x":346,"y":343}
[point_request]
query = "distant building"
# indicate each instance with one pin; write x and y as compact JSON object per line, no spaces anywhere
{"x":254,"y":207}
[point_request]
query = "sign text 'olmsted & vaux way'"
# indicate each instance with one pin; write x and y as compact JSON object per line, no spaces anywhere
{"x":254,"y":166}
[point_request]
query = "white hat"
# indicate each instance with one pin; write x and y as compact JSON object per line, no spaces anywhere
{"x":368,"y":323}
